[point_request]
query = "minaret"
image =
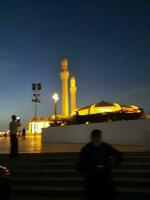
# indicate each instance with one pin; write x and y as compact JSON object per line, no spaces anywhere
{"x":73,"y":90}
{"x":64,"y":75}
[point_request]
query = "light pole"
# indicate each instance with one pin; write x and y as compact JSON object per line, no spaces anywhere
{"x":36,"y":87}
{"x":55,"y":97}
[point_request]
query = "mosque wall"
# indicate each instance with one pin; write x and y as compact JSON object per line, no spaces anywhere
{"x":132,"y":132}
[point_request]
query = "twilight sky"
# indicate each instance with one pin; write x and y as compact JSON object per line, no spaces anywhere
{"x":106,"y":42}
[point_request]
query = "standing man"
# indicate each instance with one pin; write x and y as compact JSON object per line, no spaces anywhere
{"x":13,"y":127}
{"x":95,"y":163}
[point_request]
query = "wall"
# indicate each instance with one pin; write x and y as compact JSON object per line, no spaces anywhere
{"x":133,"y":132}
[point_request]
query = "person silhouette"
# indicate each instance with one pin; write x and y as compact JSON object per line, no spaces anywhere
{"x":13,"y":127}
{"x":95,"y":163}
{"x":23,"y":133}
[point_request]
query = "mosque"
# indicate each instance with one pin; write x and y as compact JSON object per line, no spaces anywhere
{"x":97,"y":112}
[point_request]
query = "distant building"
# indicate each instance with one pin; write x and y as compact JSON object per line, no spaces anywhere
{"x":97,"y":112}
{"x":36,"y":125}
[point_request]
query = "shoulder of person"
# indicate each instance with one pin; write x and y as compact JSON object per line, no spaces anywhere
{"x":11,"y":123}
{"x":87,"y":146}
{"x":107,"y":145}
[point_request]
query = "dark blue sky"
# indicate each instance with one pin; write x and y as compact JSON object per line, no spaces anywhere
{"x":107,"y":43}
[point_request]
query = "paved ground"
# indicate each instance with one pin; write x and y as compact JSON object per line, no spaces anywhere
{"x":33,"y":144}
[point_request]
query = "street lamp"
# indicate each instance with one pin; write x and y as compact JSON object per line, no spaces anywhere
{"x":36,"y":87}
{"x":55,"y":97}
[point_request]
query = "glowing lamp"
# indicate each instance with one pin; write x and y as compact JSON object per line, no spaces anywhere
{"x":55,"y":97}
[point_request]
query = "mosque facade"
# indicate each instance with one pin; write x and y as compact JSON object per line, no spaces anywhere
{"x":99,"y":109}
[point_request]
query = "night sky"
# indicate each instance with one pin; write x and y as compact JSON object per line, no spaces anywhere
{"x":106,"y":42}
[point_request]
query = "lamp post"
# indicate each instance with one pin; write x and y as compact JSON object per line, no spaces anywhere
{"x":36,"y":87}
{"x":55,"y":97}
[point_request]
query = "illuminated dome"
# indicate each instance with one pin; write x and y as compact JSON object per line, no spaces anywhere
{"x":106,"y":107}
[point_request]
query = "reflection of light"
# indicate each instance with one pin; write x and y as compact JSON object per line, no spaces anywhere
{"x":31,"y":144}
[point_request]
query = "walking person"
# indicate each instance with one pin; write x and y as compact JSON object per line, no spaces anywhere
{"x":23,"y":133}
{"x":96,"y":161}
{"x":13,"y":127}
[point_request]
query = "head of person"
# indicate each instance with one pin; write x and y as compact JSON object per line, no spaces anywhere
{"x":13,"y":117}
{"x":96,"y":137}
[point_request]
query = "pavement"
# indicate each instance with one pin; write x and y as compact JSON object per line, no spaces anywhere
{"x":33,"y":144}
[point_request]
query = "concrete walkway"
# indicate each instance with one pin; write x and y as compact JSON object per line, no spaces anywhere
{"x":33,"y":144}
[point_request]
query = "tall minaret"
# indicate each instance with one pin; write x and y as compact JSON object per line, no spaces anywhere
{"x":64,"y":75}
{"x":73,"y":90}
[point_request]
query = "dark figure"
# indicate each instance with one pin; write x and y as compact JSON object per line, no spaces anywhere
{"x":23,"y":133}
{"x":5,"y":134}
{"x":95,"y":163}
{"x":5,"y":185}
{"x":13,"y":127}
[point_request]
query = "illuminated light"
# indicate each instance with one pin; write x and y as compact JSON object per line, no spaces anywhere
{"x":100,"y":108}
{"x":53,"y":117}
{"x":73,"y":81}
{"x":104,"y":107}
{"x":83,"y":112}
{"x":136,"y":109}
{"x":64,"y":75}
{"x":133,"y":106}
{"x":73,"y":90}
{"x":97,"y":110}
{"x":55,"y":97}
{"x":131,"y":109}
{"x":116,"y":104}
{"x":87,"y":123}
{"x":91,"y":109}
{"x":36,"y":127}
{"x":73,"y":113}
